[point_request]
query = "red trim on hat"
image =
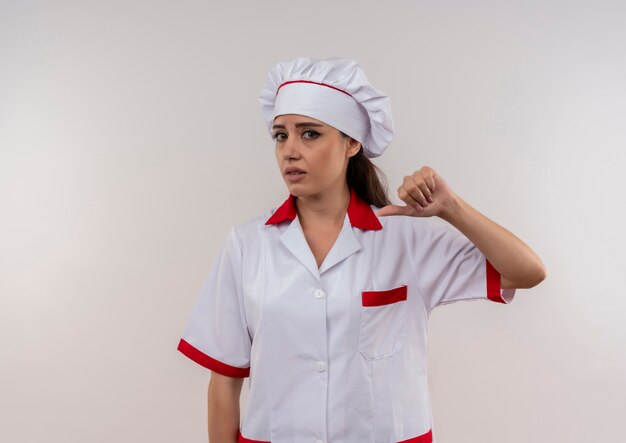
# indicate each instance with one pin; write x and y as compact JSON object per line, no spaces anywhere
{"x":315,"y":83}
{"x":210,"y":363}
{"x":493,"y":283}
{"x":360,"y":213}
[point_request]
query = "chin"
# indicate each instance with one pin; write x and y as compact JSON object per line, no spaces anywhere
{"x":293,"y":190}
{"x":297,"y":189}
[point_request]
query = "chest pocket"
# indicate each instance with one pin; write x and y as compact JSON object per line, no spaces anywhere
{"x":383,"y":322}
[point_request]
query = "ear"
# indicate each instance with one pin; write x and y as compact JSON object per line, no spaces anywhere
{"x":352,"y":146}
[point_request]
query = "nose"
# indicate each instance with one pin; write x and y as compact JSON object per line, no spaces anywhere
{"x":290,"y":147}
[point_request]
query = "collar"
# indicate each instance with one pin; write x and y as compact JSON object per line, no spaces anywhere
{"x":360,"y":213}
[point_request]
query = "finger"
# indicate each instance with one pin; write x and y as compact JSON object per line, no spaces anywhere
{"x":425,"y":190}
{"x":428,"y":174}
{"x":408,"y":199}
{"x":430,"y":179}
{"x":415,"y":191}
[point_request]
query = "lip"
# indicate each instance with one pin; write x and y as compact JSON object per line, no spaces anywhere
{"x":295,"y":177}
{"x":293,"y":168}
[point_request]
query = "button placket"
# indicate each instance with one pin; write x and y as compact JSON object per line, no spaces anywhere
{"x":320,"y":366}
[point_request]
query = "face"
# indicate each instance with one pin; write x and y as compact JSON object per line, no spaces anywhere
{"x":315,"y":148}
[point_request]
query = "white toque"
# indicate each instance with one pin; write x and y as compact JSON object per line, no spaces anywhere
{"x":333,"y":90}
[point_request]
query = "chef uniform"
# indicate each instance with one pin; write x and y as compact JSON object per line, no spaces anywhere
{"x":335,"y":354}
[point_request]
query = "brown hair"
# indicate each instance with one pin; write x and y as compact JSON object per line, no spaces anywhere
{"x":367,"y":179}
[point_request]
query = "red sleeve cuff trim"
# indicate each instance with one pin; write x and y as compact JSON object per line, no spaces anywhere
{"x":210,"y":363}
{"x":424,"y":438}
{"x":493,"y":284}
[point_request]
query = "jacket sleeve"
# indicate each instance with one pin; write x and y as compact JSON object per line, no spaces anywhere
{"x":216,"y":334}
{"x":451,"y":268}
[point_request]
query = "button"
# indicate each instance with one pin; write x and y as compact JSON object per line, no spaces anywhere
{"x":319,"y":293}
{"x":321,"y":366}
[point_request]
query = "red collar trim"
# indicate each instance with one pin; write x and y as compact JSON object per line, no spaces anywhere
{"x":359,"y":213}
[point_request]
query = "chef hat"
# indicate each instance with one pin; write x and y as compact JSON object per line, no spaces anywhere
{"x":333,"y":90}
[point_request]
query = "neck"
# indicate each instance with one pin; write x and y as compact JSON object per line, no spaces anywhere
{"x":327,"y":208}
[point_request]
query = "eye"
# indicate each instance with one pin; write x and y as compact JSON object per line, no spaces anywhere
{"x":314,"y":134}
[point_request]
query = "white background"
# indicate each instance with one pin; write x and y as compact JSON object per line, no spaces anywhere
{"x":131,"y":140}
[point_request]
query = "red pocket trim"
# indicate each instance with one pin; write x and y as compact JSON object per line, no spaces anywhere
{"x":383,"y":297}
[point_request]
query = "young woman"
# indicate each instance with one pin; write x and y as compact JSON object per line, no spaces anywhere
{"x":323,"y":302}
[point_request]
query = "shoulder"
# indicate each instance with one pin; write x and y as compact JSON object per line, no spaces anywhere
{"x":250,"y":229}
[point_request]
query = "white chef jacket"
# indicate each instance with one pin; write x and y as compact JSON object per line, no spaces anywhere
{"x":335,"y":354}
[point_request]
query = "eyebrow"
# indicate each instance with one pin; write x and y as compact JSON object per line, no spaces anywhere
{"x":298,"y":125}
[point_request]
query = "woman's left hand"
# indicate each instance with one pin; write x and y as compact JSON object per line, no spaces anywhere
{"x":426,"y":194}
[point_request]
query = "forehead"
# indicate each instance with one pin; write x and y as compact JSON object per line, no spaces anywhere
{"x":290,"y":119}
